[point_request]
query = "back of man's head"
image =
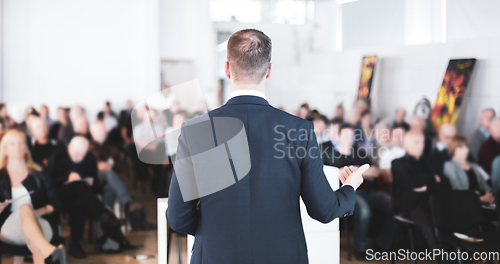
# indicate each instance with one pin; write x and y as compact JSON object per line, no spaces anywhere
{"x":249,"y":56}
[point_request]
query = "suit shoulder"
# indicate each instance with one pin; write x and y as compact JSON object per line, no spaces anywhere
{"x":289,"y":117}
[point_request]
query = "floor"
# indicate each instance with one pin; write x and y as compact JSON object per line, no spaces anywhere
{"x":147,"y":242}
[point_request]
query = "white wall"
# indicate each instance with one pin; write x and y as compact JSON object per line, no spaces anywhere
{"x":79,"y":52}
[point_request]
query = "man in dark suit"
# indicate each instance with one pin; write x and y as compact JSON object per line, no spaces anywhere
{"x":257,"y":219}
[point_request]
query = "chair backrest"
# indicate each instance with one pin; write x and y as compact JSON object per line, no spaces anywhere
{"x":456,"y":211}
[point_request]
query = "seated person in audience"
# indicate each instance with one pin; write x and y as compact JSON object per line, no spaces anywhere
{"x":62,"y":128}
{"x":320,"y":125}
{"x":395,"y":151}
{"x":24,"y":126}
{"x":439,"y":154}
{"x":7,"y":121}
{"x":41,"y":146}
{"x":368,"y":198}
{"x":400,"y":119}
{"x":27,"y":197}
{"x":339,"y":114}
{"x":413,"y":183}
{"x":367,"y":134}
{"x":490,"y":149}
{"x":74,"y":174}
{"x":418,"y":125}
{"x":44,"y":114}
{"x":107,"y":156}
{"x":305,"y":112}
{"x":80,"y":128}
{"x":482,"y":132}
{"x":108,"y":117}
{"x":464,"y":175}
{"x":333,"y":134}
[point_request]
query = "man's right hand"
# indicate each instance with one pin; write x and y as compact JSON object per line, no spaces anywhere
{"x":352,"y":176}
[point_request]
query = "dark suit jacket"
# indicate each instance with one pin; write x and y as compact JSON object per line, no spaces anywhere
{"x":257,"y":220}
{"x":409,"y":173}
{"x":60,"y":166}
{"x":36,"y":182}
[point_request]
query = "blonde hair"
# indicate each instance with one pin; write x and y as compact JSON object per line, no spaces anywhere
{"x":9,"y":136}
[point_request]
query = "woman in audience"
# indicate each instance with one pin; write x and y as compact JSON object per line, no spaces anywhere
{"x":464,"y":175}
{"x":26,"y":196}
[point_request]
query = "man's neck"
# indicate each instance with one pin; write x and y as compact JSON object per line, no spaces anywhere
{"x":243,"y":86}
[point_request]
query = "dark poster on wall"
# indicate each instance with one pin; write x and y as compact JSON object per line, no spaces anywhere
{"x":452,"y":92}
{"x":365,"y":82}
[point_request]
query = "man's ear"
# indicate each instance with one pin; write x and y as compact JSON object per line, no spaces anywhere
{"x":269,"y":70}
{"x":228,"y":72}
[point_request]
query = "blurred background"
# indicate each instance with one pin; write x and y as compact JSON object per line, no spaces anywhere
{"x":62,"y":53}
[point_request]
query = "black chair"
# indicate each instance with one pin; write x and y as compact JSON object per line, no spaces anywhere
{"x":461,"y":212}
{"x":409,"y":225}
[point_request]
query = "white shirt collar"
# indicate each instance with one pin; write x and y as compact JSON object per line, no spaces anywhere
{"x":440,"y":146}
{"x":247,"y":92}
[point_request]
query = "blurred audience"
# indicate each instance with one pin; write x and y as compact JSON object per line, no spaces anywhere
{"x":369,"y":198}
{"x":413,"y":183}
{"x":417,"y":124}
{"x":74,"y":173}
{"x":28,"y":198}
{"x":41,"y":145}
{"x":490,"y":149}
{"x":439,"y":154}
{"x":400,"y":119}
{"x":465,"y":175}
{"x":482,"y":132}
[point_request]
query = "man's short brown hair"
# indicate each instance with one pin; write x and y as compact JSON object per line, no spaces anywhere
{"x":249,"y":55}
{"x":457,"y":141}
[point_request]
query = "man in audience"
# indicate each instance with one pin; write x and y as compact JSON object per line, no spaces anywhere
{"x":482,"y":133}
{"x":305,"y":112}
{"x":80,"y":128}
{"x":44,"y":114}
{"x":400,"y":119}
{"x":62,"y":128}
{"x":7,"y":121}
{"x":395,"y":151}
{"x":339,"y":114}
{"x":413,"y":183}
{"x":490,"y":149}
{"x":320,"y":124}
{"x":418,"y":125}
{"x":367,"y":134}
{"x":108,"y":117}
{"x":333,"y":134}
{"x":439,"y":154}
{"x":74,"y":175}
{"x":111,"y":184}
{"x":41,"y":146}
{"x":368,"y":198}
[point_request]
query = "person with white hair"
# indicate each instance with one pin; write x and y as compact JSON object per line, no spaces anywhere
{"x":74,"y":173}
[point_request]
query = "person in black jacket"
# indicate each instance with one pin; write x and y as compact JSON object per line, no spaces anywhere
{"x":41,"y":145}
{"x":74,"y":173}
{"x":28,"y":198}
{"x":413,"y":183}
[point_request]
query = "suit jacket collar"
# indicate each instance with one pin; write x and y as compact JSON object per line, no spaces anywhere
{"x":247,"y":99}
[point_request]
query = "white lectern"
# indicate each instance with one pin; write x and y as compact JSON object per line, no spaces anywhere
{"x":323,"y":240}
